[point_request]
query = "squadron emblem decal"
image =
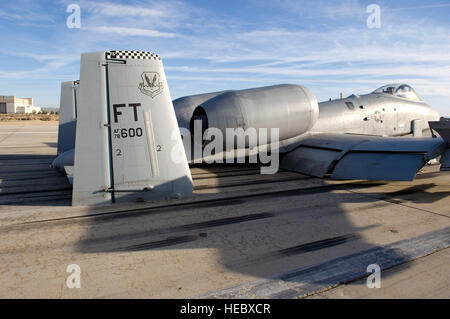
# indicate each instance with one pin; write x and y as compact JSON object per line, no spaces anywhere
{"x":151,"y":84}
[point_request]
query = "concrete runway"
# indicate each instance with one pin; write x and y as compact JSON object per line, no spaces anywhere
{"x":241,"y":234}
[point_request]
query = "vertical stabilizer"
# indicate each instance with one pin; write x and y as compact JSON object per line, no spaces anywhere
{"x":128,"y":144}
{"x":67,"y":116}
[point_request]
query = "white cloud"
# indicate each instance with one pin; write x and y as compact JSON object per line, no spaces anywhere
{"x":383,"y":71}
{"x":132,"y":32}
{"x":120,"y":10}
{"x":25,"y":13}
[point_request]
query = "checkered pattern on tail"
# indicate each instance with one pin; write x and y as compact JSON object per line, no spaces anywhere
{"x":130,"y":54}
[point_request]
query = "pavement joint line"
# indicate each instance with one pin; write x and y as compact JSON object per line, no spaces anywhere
{"x":385,"y":197}
{"x":305,"y":281}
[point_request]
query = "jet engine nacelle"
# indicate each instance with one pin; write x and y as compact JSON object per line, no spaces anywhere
{"x":293,"y":109}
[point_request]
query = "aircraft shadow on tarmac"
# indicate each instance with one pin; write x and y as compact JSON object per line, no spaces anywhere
{"x":258,"y":234}
{"x":269,"y":230}
{"x":28,"y":180}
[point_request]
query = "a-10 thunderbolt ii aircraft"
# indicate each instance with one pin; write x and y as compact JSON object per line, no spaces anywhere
{"x":121,"y":137}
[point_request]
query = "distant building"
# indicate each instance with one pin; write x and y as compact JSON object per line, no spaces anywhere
{"x":12,"y":104}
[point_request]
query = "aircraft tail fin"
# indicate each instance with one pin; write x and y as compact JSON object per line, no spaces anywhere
{"x":128,"y":145}
{"x":67,"y":116}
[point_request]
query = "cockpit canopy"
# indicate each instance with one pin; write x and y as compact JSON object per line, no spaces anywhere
{"x":399,"y":90}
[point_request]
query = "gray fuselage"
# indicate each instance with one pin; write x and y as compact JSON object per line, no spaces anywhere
{"x":373,"y":114}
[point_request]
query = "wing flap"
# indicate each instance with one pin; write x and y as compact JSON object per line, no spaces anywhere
{"x":349,"y":156}
{"x":378,"y":166}
{"x":311,"y":161}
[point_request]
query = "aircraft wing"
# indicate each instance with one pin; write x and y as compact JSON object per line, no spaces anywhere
{"x":443,"y":129}
{"x":350,"y":156}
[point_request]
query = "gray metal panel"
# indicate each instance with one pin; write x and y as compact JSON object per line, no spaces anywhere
{"x":292,"y":109}
{"x":145,"y":134}
{"x":378,"y":166}
{"x":372,"y":114}
{"x":359,"y":142}
{"x":67,"y":123}
{"x":66,"y":136}
{"x":310,"y":161}
{"x":417,"y":127}
{"x":184,"y":106}
{"x":91,"y":167}
{"x":334,"y":141}
{"x":399,"y":144}
{"x":137,"y":153}
{"x":349,"y":156}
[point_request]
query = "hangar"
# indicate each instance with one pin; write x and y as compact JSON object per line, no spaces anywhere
{"x":13,"y":104}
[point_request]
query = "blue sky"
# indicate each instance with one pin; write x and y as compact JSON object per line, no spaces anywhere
{"x":215,"y":45}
